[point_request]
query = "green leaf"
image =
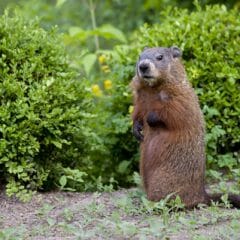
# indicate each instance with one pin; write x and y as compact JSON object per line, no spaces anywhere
{"x":88,"y":62}
{"x":63,"y":181}
{"x":110,"y":32}
{"x":77,"y":31}
{"x":57,"y":144}
{"x":51,"y":221}
{"x":60,"y":3}
{"x":122,"y":167}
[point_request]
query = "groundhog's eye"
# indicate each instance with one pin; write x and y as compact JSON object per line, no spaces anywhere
{"x":159,"y":57}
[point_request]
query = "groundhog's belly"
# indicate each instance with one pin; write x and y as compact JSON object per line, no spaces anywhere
{"x":166,"y":158}
{"x":155,"y":148}
{"x":154,"y":143}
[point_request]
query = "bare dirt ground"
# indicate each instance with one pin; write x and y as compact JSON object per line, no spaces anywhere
{"x":116,"y":215}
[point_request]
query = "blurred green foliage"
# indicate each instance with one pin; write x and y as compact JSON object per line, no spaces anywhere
{"x":126,"y":15}
{"x":65,"y":121}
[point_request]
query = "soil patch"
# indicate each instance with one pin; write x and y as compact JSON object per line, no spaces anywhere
{"x":115,"y":215}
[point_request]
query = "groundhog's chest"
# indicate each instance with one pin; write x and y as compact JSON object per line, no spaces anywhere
{"x":153,"y":99}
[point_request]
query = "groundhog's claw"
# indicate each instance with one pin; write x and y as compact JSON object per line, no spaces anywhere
{"x":137,"y":129}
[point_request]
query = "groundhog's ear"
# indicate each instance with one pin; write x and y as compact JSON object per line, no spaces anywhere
{"x":145,"y":48}
{"x":176,"y":52}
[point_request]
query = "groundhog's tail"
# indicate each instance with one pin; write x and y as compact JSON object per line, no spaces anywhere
{"x":232,"y":198}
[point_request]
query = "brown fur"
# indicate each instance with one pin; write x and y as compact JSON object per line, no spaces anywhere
{"x":172,"y":149}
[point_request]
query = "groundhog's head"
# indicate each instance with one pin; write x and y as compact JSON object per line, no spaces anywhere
{"x":157,"y":65}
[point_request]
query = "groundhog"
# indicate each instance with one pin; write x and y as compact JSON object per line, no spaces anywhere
{"x":168,"y":122}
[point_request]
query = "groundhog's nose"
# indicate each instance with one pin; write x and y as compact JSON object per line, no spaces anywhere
{"x":143,"y":67}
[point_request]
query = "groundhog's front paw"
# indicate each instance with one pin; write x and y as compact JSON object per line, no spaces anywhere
{"x":153,"y":120}
{"x":137,"y":130}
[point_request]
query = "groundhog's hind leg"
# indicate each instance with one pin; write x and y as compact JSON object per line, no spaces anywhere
{"x":189,"y":201}
{"x":162,"y":183}
{"x":156,"y":186}
{"x":155,"y":195}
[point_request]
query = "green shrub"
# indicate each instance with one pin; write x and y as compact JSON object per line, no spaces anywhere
{"x":210,"y":40}
{"x":44,"y":111}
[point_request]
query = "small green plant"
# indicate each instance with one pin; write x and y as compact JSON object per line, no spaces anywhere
{"x":74,"y":176}
{"x":44,"y":210}
{"x":13,"y":233}
{"x":68,"y":214}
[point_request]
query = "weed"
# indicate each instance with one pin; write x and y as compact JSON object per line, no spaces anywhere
{"x":12,"y":233}
{"x":44,"y":210}
{"x":68,"y":214}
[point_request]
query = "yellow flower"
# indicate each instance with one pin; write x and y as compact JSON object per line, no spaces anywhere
{"x":102,"y":59}
{"x":105,"y":68}
{"x":130,"y":109}
{"x":107,"y":84}
{"x":96,"y":90}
